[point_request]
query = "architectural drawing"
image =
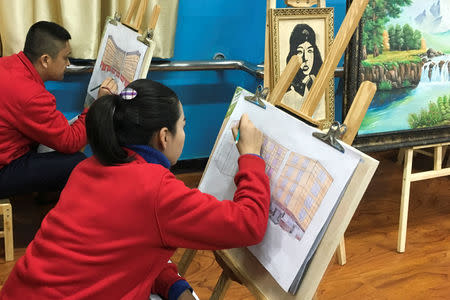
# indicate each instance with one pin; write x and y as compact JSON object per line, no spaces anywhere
{"x":121,"y":56}
{"x":298,"y":193}
{"x":273,"y":154}
{"x":119,"y":62}
{"x":223,"y":158}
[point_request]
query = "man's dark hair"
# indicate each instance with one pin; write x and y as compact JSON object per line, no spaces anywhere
{"x":45,"y":38}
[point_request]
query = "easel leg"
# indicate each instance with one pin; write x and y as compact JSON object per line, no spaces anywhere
{"x":401,"y":242}
{"x":340,"y":253}
{"x":185,"y":261}
{"x":438,"y":158}
{"x":221,"y":287}
{"x":444,"y":152}
{"x":401,"y":156}
{"x":8,"y":232}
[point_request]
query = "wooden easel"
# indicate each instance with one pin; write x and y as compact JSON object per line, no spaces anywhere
{"x":326,"y":71}
{"x":408,"y":177}
{"x":230,"y":267}
{"x":135,"y":15}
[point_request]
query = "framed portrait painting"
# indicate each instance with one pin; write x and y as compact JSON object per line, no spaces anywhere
{"x":307,"y":32}
{"x":407,"y":55}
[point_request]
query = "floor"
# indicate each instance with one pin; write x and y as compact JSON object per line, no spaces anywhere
{"x":374,"y":269}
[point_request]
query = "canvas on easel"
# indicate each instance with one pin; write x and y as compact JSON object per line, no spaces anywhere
{"x":124,"y":53}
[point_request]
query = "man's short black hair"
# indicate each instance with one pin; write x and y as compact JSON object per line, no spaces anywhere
{"x":45,"y":38}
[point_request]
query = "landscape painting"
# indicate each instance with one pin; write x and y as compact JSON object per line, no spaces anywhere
{"x":404,"y":48}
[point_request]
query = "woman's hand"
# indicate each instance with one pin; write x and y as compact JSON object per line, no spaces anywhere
{"x":250,"y":138}
{"x":186,"y":295}
{"x":108,"y":87}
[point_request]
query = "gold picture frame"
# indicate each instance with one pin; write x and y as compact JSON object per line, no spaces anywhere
{"x":308,"y":32}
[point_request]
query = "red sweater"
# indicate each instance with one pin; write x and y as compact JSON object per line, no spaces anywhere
{"x":114,"y":229}
{"x":28,"y":113}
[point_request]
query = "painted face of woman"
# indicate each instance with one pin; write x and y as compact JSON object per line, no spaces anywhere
{"x":306,"y":51}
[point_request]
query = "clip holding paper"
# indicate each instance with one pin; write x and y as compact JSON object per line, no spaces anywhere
{"x":335,"y":131}
{"x":260,"y":94}
{"x":146,"y":36}
{"x":116,"y":19}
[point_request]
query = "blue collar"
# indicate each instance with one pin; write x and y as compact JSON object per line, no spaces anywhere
{"x":151,"y":155}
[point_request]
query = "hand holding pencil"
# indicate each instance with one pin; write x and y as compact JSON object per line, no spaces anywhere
{"x":108,"y":87}
{"x":247,"y":137}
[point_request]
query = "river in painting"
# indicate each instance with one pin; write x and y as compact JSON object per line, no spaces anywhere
{"x":389,"y":110}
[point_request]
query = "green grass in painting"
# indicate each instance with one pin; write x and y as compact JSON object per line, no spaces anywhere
{"x":385,"y":85}
{"x":438,"y":113}
{"x":393,"y":58}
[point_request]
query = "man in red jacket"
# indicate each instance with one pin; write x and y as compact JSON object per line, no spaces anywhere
{"x":28,"y":115}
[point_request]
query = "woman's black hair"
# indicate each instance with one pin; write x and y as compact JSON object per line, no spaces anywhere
{"x":300,"y":34}
{"x":113,"y":122}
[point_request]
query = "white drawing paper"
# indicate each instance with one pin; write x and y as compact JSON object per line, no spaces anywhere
{"x":306,"y":175}
{"x":121,"y":56}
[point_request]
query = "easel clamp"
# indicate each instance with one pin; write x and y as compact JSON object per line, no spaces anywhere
{"x":260,"y":94}
{"x":334,"y":133}
{"x":114,"y":20}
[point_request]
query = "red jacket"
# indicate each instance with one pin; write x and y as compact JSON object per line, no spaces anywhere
{"x":114,"y":228}
{"x":28,"y":113}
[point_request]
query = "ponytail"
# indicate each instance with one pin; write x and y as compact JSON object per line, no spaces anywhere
{"x":113,"y":121}
{"x":101,"y":133}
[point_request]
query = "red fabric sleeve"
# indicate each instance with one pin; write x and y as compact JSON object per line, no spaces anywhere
{"x":44,"y":124}
{"x":168,"y":276}
{"x":191,"y":219}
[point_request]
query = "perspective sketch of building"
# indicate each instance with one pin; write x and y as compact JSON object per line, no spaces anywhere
{"x":222,"y":159}
{"x":273,"y":154}
{"x":297,"y":195}
{"x":298,"y":183}
{"x":119,"y":62}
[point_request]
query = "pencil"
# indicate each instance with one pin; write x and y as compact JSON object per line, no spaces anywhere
{"x":93,"y":89}
{"x":237,"y":137}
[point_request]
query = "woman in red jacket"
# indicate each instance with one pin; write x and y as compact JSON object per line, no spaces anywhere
{"x":123,"y":214}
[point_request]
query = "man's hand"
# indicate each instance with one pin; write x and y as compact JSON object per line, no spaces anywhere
{"x":186,"y":295}
{"x":108,"y":87}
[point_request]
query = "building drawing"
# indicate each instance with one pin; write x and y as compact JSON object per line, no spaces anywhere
{"x":120,"y":63}
{"x":298,"y":193}
{"x":298,"y":183}
{"x":273,"y":154}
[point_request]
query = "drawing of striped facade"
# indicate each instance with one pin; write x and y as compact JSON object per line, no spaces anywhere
{"x":273,"y":154}
{"x":121,"y":64}
{"x":299,"y":191}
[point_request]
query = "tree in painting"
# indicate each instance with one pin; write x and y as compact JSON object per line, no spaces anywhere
{"x":406,"y":52}
{"x":376,"y":15}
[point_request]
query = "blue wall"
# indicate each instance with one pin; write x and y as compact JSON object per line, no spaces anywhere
{"x":234,"y":28}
